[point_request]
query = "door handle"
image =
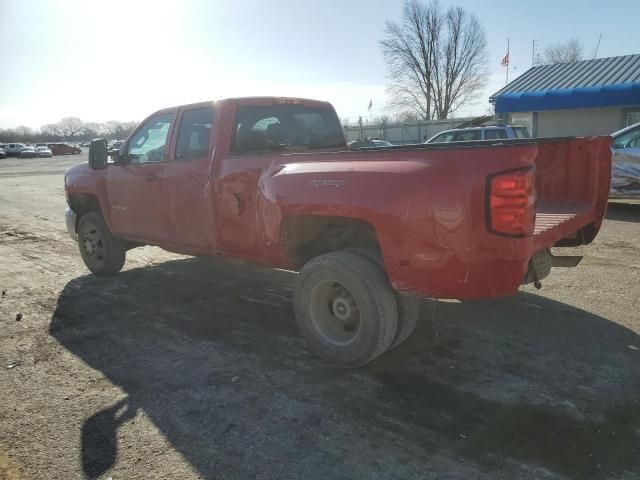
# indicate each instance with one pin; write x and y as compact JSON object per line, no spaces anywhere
{"x":151,"y":178}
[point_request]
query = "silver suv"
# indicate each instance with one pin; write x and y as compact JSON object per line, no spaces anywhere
{"x":487,"y":132}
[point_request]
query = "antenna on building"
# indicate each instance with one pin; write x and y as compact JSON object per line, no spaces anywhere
{"x":595,"y":54}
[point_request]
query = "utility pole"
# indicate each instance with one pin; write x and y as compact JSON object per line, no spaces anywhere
{"x":597,"y":47}
{"x":533,"y":53}
{"x":508,"y":60}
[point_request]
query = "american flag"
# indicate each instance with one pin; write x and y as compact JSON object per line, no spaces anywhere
{"x":505,"y":60}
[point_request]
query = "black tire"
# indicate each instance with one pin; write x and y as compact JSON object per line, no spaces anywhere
{"x":408,"y":307}
{"x":408,"y":315}
{"x":352,"y":286}
{"x":102,"y":253}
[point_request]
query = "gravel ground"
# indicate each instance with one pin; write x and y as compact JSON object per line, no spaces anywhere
{"x":184,"y":368}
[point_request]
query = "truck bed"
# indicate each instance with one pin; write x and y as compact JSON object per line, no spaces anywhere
{"x":556,"y":222}
{"x":572,"y":183}
{"x":451,"y":252}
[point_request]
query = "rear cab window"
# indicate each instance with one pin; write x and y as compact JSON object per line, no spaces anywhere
{"x":495,"y":134}
{"x":285,"y":128}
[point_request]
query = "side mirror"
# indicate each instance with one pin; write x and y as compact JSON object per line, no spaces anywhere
{"x":119,"y":155}
{"x":98,"y":154}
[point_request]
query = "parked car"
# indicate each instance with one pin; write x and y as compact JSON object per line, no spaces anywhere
{"x":86,"y":144}
{"x":28,"y":152}
{"x":625,"y":178}
{"x":489,"y":132}
{"x":44,"y":151}
{"x":115,"y":145}
{"x":64,"y":149}
{"x":13,"y":149}
{"x":369,"y":231}
{"x":3,"y":154}
{"x":369,"y":143}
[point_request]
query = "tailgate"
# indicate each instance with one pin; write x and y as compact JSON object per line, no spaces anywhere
{"x":572,"y":187}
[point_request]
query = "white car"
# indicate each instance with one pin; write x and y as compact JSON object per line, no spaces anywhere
{"x":625,"y":175}
{"x":44,"y":151}
{"x":486,"y":132}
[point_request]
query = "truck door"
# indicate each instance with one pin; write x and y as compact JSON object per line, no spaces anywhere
{"x":186,"y":189}
{"x":260,"y":135}
{"x":133,"y":187}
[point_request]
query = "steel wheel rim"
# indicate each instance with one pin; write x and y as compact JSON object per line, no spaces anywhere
{"x":334,"y":313}
{"x":93,"y":245}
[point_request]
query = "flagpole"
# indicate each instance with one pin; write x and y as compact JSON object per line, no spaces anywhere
{"x":508,"y":60}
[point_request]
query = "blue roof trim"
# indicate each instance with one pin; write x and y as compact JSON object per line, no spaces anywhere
{"x":569,"y":98}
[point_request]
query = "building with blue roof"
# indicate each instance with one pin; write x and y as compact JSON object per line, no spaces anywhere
{"x":590,"y":97}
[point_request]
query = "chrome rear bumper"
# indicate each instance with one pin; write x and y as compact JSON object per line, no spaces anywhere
{"x":70,"y":217}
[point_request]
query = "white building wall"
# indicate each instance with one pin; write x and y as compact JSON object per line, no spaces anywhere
{"x":579,"y":122}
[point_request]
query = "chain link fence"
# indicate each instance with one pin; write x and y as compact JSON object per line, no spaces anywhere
{"x":403,"y":133}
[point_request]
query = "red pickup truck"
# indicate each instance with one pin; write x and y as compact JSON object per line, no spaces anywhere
{"x":270,"y":181}
{"x":64,"y":149}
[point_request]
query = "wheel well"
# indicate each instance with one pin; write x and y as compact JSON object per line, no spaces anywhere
{"x":307,"y":236}
{"x":82,"y":203}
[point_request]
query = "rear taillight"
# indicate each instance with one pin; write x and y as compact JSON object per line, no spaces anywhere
{"x":511,"y":200}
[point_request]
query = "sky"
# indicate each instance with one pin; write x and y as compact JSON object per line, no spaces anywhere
{"x":124,"y":59}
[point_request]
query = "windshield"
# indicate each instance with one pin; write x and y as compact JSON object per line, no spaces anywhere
{"x":629,"y":139}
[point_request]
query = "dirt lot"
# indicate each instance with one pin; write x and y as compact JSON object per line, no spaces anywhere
{"x":188,"y":368}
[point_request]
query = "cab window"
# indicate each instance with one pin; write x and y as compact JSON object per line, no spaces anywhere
{"x":280,"y":128}
{"x":466,"y":136}
{"x":495,"y":134}
{"x":149,"y":142}
{"x":521,"y":132}
{"x":445,"y":137}
{"x":194,"y":134}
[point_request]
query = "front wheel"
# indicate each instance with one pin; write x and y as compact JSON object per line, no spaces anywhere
{"x":345,"y":308}
{"x":102,"y":253}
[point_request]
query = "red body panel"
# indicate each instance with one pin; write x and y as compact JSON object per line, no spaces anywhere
{"x":427,"y":205}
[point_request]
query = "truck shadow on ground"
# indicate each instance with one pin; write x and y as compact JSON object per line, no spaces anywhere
{"x":623,"y":212}
{"x":210,"y":352}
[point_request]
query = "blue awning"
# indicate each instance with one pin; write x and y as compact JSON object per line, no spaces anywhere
{"x":622,"y":94}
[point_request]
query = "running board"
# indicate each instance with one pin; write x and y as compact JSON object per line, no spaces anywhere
{"x":565,"y":261}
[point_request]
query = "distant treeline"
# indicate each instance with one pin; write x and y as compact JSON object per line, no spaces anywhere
{"x":68,"y":129}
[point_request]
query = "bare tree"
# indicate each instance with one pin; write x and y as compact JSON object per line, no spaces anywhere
{"x":408,"y":116}
{"x":436,"y":61}
{"x":70,"y":127}
{"x":381,"y":120}
{"x":24,"y":134}
{"x":117,"y":130}
{"x":91,"y":130}
{"x":569,"y":52}
{"x":50,"y":131}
